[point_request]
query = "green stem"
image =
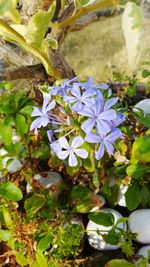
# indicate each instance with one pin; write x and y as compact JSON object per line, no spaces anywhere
{"x":82,"y":12}
{"x":10,"y":34}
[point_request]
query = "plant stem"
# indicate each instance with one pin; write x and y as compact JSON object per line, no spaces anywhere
{"x":83,"y":11}
{"x":11,"y":35}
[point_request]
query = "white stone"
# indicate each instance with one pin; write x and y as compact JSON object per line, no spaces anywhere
{"x":50,"y":180}
{"x":139,"y":223}
{"x":13,"y":166}
{"x":96,"y":240}
{"x":144,"y":105}
{"x":144,"y":251}
{"x":121,"y":195}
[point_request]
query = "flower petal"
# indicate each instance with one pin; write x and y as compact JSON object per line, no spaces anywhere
{"x":50,"y":106}
{"x":107,"y":115}
{"x":110,"y":102}
{"x":77,"y":141}
{"x":76,"y":91}
{"x":72,"y":159}
{"x":93,"y":138}
{"x":113,"y":136}
{"x":77,"y":106}
{"x":88,"y":125}
{"x":50,"y":135}
{"x":82,"y":153}
{"x":55,"y":147}
{"x":36,"y":112}
{"x":100,"y":152}
{"x":63,"y":142}
{"x":46,"y":99}
{"x":109,"y":147}
{"x":103,"y":127}
{"x":63,"y":154}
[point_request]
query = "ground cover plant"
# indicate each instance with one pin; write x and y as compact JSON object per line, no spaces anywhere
{"x":74,"y":153}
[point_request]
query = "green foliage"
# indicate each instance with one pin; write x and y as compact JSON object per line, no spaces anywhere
{"x":132,"y":196}
{"x":137,"y":170}
{"x":38,"y":25}
{"x":11,"y":191}
{"x":33,"y":205}
{"x":105,"y":219}
{"x":118,"y":263}
{"x":141,"y":149}
{"x":8,"y":9}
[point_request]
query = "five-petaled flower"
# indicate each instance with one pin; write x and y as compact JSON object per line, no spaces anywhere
{"x":100,"y":115}
{"x":78,"y":99}
{"x":71,"y":150}
{"x":42,"y":114}
{"x":105,"y":142}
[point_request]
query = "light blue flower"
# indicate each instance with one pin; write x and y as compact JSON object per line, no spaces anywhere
{"x":105,"y":142}
{"x":71,"y":150}
{"x":79,"y":99}
{"x":42,"y":114}
{"x":100,"y":115}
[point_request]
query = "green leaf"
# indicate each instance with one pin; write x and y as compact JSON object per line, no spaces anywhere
{"x":41,"y":260}
{"x":49,"y":42}
{"x":145,"y":73}
{"x":119,"y":263}
{"x":137,"y":170}
{"x":141,"y":149}
{"x":45,"y":242}
{"x":5,"y":235}
{"x":6,"y":133}
{"x":27,"y":110}
{"x":101,"y":218}
{"x":80,"y":192}
{"x":8,"y":9}
{"x":11,"y":191}
{"x":21,"y":124}
{"x":21,"y":259}
{"x":112,"y":237}
{"x":33,"y":205}
{"x":132,"y":24}
{"x":38,"y":26}
{"x":132,"y":196}
{"x":145,"y":195}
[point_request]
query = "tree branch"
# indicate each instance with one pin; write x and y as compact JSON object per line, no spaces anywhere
{"x":82,"y":12}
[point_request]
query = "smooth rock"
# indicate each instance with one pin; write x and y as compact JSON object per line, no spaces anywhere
{"x":96,"y":240}
{"x":144,"y":105}
{"x":11,"y":164}
{"x":121,"y":196}
{"x":139,"y":222}
{"x":50,"y":180}
{"x":144,"y":252}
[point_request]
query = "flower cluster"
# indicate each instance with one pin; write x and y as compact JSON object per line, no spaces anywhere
{"x":76,"y":113}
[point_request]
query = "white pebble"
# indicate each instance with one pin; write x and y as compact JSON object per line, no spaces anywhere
{"x":96,"y":240}
{"x":144,"y":105}
{"x":139,"y":223}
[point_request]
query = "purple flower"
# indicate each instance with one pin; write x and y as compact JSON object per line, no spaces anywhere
{"x":90,"y":86}
{"x":43,"y":119}
{"x":105,"y":142}
{"x":100,"y":116}
{"x":120,"y":118}
{"x":71,"y":150}
{"x":78,"y":99}
{"x":62,"y":89}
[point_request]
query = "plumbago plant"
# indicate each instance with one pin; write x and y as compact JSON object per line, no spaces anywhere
{"x":82,"y":119}
{"x":83,"y":131}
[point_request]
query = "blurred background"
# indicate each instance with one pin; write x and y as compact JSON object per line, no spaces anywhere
{"x":99,"y":49}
